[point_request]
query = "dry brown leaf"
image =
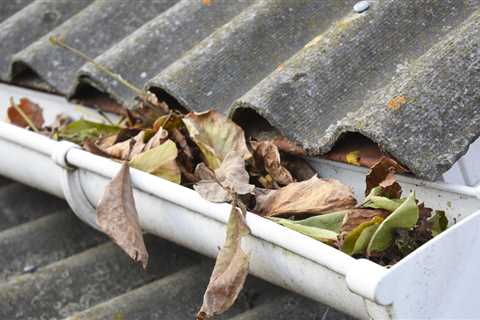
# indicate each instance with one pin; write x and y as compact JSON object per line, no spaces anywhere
{"x":185,"y":153}
{"x":106,"y":142}
{"x":181,"y":141}
{"x":215,"y":135}
{"x":30,"y":110}
{"x":202,"y":172}
{"x":158,"y":138}
{"x":230,"y":178}
{"x":118,"y":218}
{"x":127,"y":149}
{"x":383,"y":174}
{"x":285,"y":145}
{"x":207,"y":185}
{"x":91,"y":147}
{"x":230,"y":271}
{"x":312,"y":196}
{"x":266,"y":152}
{"x":123,"y":135}
{"x":232,"y":174}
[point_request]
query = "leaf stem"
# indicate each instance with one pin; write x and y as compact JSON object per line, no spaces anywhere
{"x":105,"y":117}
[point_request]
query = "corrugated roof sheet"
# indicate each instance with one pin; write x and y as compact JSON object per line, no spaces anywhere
{"x":406,"y":74}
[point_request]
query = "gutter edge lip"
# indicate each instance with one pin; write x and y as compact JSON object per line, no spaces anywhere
{"x":453,"y":188}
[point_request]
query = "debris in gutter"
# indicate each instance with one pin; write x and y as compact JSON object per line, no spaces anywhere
{"x":265,"y":175}
{"x":118,"y":218}
{"x":26,"y":114}
{"x":221,"y":166}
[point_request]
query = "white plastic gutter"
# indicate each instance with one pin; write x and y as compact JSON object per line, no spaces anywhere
{"x":412,"y":288}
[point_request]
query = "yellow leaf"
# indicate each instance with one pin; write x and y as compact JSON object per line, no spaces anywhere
{"x":353,"y":158}
{"x":159,"y":161}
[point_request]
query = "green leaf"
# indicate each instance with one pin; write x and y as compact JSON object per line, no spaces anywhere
{"x":439,"y":222}
{"x":159,"y":161}
{"x":351,"y":244}
{"x":404,"y":217}
{"x":377,"y":202}
{"x":79,"y":130}
{"x":362,"y":242}
{"x":319,"y":234}
{"x":377,"y":191}
{"x":330,"y":221}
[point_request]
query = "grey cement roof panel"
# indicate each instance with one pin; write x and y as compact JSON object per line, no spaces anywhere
{"x":313,"y":69}
{"x":34,"y":21}
{"x":56,"y":267}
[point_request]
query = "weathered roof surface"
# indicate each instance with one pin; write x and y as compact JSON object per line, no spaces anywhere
{"x":406,"y":74}
{"x":53,"y":266}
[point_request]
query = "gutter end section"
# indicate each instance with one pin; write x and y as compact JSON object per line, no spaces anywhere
{"x":363,"y":278}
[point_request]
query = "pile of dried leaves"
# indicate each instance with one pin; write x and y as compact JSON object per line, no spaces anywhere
{"x":209,"y":152}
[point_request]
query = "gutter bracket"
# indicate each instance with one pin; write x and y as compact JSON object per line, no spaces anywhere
{"x":72,"y":186}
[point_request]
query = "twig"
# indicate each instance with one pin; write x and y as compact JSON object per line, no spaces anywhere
{"x":58,"y":42}
{"x":105,"y":117}
{"x":24,"y":116}
{"x":139,"y":92}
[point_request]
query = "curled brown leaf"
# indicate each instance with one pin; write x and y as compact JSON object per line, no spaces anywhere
{"x":118,"y":217}
{"x":157,"y":139}
{"x":230,"y":178}
{"x":232,"y":174}
{"x":207,"y":185}
{"x":285,"y":145}
{"x":313,"y":196}
{"x":267,"y":154}
{"x":91,"y":147}
{"x":185,"y":153}
{"x":26,"y":114}
{"x":128,"y":149}
{"x":230,"y":271}
{"x":383,"y":174}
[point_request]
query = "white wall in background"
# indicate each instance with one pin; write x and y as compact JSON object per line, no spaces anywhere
{"x":467,"y":170}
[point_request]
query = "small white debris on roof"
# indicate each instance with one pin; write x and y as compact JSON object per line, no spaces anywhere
{"x":361,"y":6}
{"x":29,"y":268}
